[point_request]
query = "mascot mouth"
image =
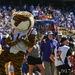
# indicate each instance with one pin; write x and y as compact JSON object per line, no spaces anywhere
{"x":20,"y":18}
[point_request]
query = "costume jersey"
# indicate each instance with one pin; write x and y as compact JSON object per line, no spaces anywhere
{"x":20,"y":46}
{"x":60,"y":54}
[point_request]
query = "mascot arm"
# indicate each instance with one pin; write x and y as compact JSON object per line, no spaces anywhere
{"x":14,"y":43}
{"x":9,"y":42}
{"x":30,"y":41}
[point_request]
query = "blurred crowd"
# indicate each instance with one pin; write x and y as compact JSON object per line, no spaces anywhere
{"x":64,"y":17}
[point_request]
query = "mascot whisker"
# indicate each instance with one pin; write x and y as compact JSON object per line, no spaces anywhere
{"x":22,"y":37}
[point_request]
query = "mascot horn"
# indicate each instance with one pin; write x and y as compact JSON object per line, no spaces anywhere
{"x":18,"y":41}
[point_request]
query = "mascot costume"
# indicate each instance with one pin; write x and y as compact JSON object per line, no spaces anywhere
{"x":23,"y":37}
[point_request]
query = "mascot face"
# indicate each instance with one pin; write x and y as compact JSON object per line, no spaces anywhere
{"x":22,"y":20}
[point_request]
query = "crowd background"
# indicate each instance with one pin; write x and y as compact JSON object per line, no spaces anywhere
{"x":64,"y":16}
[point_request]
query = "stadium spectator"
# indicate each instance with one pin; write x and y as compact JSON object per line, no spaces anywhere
{"x":62,"y":54}
{"x":47,"y":49}
{"x":34,"y":59}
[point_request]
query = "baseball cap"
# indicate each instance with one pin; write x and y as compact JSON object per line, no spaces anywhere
{"x":50,"y":32}
{"x":59,"y":33}
{"x":63,"y":39}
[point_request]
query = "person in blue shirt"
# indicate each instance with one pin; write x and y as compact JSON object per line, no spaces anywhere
{"x":47,"y":48}
{"x":3,"y":43}
{"x":25,"y":66}
{"x":57,"y":38}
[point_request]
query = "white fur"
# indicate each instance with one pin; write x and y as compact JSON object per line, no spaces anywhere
{"x":23,"y":25}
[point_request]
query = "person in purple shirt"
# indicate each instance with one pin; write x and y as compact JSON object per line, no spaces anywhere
{"x":4,"y":45}
{"x":47,"y":49}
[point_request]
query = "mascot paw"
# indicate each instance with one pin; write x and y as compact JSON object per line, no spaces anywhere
{"x":24,"y":37}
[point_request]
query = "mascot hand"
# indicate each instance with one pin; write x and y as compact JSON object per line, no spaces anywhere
{"x":29,"y":41}
{"x":14,"y":43}
{"x":24,"y":37}
{"x":7,"y":40}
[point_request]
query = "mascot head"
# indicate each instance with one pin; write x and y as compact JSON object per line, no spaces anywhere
{"x":22,"y":20}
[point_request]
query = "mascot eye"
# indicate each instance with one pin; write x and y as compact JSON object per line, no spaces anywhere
{"x":19,"y":18}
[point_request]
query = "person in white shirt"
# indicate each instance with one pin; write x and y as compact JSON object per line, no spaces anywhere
{"x":35,"y":12}
{"x":62,"y":53}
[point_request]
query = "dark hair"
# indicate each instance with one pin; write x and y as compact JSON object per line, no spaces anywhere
{"x":63,"y":39}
